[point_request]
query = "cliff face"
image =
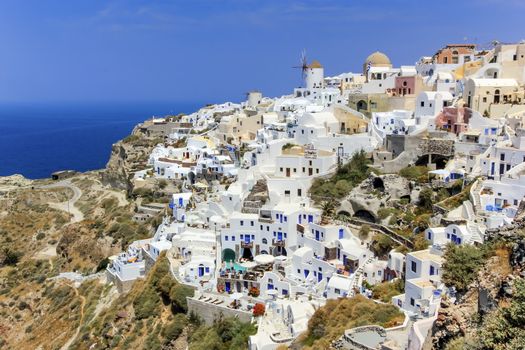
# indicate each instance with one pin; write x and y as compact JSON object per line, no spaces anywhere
{"x":130,"y":155}
{"x":492,"y":291}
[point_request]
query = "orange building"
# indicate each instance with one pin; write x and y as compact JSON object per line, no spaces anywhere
{"x":450,"y":53}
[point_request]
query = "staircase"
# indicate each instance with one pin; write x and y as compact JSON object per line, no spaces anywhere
{"x":358,"y":277}
{"x":476,"y":200}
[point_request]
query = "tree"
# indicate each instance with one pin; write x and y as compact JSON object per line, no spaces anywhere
{"x":461,"y":265}
{"x":364,"y":231}
{"x":425,"y":198}
{"x":505,"y":328}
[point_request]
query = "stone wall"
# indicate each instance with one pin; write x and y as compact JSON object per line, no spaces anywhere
{"x":209,"y":313}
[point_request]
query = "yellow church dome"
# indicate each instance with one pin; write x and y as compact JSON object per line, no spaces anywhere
{"x":376,"y":59}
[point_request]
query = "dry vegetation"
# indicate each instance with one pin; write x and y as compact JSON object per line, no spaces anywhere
{"x":330,"y":321}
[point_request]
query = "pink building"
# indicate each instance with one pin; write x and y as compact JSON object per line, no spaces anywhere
{"x":405,"y":86}
{"x":453,"y":119}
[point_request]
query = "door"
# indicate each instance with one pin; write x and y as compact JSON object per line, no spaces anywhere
{"x":310,"y":218}
{"x":201,"y":271}
{"x":227,"y":286}
{"x":316,"y":235}
{"x":306,"y":272}
{"x":279,"y":236}
{"x":310,"y":171}
{"x":287,"y":172}
{"x":319,"y":277}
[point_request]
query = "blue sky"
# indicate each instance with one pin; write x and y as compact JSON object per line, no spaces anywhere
{"x":212,"y":51}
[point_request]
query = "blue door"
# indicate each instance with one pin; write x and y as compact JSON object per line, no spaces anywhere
{"x":316,"y":235}
{"x":341,"y":233}
{"x":310,"y":218}
{"x":227,"y":286}
{"x":299,"y":218}
{"x":180,"y":202}
{"x":270,"y":286}
{"x":306,"y":272}
{"x":246,"y":238}
{"x":201,"y":271}
{"x":319,"y":277}
{"x":279,"y":236}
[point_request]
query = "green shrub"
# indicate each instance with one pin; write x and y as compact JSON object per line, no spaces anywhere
{"x":461,"y":265}
{"x":173,"y":329}
{"x":146,"y":304}
{"x":415,"y":173}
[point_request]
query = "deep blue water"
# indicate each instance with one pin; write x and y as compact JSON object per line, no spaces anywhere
{"x":36,"y":140}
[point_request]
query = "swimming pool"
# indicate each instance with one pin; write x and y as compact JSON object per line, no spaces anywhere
{"x":236,"y":266}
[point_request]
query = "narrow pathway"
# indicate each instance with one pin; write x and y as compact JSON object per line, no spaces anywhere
{"x":68,"y":206}
{"x":82,"y":305}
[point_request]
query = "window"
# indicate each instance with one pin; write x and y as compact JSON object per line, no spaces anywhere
{"x":299,"y":271}
{"x":502,"y":156}
{"x":287,"y":193}
{"x":432,"y":270}
{"x":337,"y":291}
{"x":264,"y":241}
{"x":225,"y":238}
{"x":412,"y":301}
{"x":299,"y":192}
{"x":413,"y":266}
{"x":251,"y":223}
{"x":422,"y":104}
{"x":242,"y":223}
{"x":233,"y":238}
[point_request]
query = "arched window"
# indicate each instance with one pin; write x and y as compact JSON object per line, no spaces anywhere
{"x":265,"y":241}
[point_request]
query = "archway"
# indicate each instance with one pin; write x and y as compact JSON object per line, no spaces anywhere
{"x":439,"y":160}
{"x":365,"y":215}
{"x":228,"y":255}
{"x":362,"y":105}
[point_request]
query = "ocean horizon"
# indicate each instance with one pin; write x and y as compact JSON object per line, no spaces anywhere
{"x":37,"y":140}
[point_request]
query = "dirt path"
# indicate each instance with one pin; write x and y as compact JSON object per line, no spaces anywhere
{"x":68,"y":206}
{"x":82,"y":305}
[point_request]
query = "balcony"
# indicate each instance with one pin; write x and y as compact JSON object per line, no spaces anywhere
{"x":278,"y":243}
{"x":300,"y":228}
{"x":247,"y":245}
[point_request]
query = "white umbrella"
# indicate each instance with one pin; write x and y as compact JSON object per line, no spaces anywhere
{"x":263,"y":259}
{"x":236,"y":296}
{"x":248,"y":264}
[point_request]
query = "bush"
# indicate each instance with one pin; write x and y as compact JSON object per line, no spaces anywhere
{"x":178,"y":296}
{"x":342,"y":182}
{"x":331,"y":320}
{"x":415,"y":173}
{"x":173,"y":329}
{"x":364,"y":231}
{"x":146,"y":304}
{"x":386,"y":290}
{"x":40,"y":235}
{"x":426,"y":199}
{"x":461,"y":265}
{"x":381,"y":244}
{"x":11,"y":257}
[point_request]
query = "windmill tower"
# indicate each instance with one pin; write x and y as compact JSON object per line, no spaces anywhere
{"x":312,"y":74}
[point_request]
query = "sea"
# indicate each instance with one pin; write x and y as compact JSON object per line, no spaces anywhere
{"x":37,"y":140}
